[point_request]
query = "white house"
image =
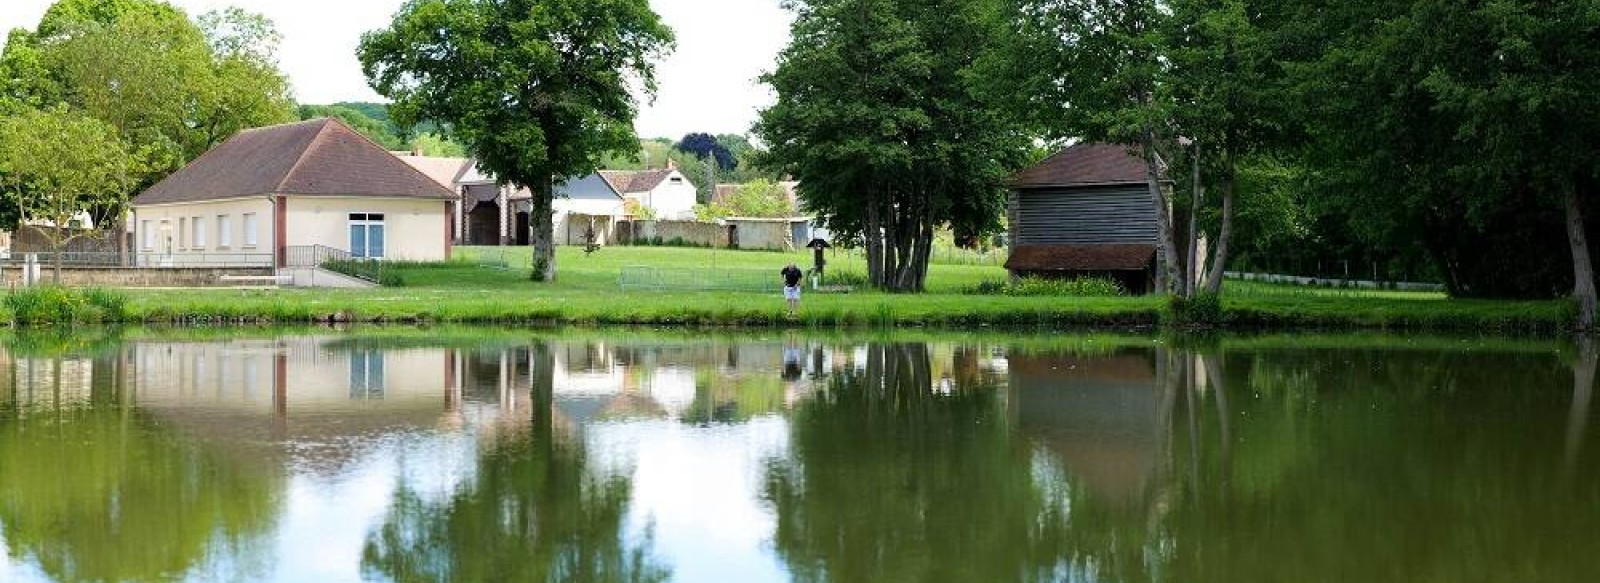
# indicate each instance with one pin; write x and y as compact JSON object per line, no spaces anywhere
{"x":666,"y":192}
{"x":267,"y":192}
{"x":496,"y":215}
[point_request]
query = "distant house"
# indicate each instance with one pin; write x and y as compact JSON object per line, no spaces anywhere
{"x":666,"y":192}
{"x":1085,"y":211}
{"x":498,"y":215}
{"x":269,"y":190}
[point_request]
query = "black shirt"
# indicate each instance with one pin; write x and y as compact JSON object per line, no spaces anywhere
{"x":791,"y":276}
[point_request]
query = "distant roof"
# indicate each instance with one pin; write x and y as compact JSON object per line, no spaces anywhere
{"x":1082,"y":165}
{"x":320,"y":157}
{"x":1116,"y":257}
{"x":631,"y":181}
{"x":444,"y":171}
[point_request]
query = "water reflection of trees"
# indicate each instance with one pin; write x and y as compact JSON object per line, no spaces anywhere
{"x":891,"y":480}
{"x":535,"y":510}
{"x":92,"y":490}
{"x":1195,"y":464}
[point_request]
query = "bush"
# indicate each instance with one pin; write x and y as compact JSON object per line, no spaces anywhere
{"x":844,"y":278}
{"x":1039,"y":286}
{"x":1202,"y":309}
{"x":50,"y":304}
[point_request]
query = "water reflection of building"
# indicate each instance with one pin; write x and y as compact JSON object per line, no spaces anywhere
{"x":1103,"y":417}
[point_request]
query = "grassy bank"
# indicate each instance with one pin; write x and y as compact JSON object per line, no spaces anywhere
{"x":491,"y":286}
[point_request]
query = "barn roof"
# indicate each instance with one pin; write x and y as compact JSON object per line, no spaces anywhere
{"x":320,"y":157}
{"x":1084,"y":164}
{"x":1114,"y":257}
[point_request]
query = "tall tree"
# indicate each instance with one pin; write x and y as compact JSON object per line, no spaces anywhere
{"x":57,"y":166}
{"x":167,"y":84}
{"x":538,"y":90}
{"x":705,"y":146}
{"x":879,"y":119}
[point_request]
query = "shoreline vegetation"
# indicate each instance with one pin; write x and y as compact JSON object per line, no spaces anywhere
{"x":478,"y":287}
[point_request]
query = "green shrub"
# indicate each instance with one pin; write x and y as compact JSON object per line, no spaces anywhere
{"x":844,"y":278}
{"x":50,"y":304}
{"x":1082,"y":287}
{"x":391,"y":278}
{"x":1202,"y":309}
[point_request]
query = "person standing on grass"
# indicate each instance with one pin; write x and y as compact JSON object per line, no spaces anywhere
{"x":791,"y":286}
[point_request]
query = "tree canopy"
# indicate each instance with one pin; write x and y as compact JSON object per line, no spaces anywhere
{"x":539,"y":91}
{"x":171,"y":86}
{"x":880,"y":119}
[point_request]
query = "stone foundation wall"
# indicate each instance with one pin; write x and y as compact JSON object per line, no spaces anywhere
{"x":11,"y":276}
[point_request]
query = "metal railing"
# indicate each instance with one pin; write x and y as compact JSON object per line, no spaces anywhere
{"x":331,"y":259}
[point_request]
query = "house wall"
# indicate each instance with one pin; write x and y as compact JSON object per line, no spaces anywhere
{"x":1083,"y":215}
{"x":171,"y":239}
{"x":672,"y":200}
{"x":414,"y":229}
{"x":579,"y":200}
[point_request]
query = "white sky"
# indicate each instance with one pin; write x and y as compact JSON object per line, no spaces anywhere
{"x":707,"y":85}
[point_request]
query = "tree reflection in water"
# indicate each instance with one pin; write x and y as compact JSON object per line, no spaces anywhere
{"x":534,"y":510}
{"x":92,"y":490}
{"x":890,"y":479}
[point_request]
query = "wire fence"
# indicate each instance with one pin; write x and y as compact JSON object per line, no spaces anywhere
{"x":646,"y":278}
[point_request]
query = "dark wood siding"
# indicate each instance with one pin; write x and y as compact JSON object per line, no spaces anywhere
{"x":1084,"y":215}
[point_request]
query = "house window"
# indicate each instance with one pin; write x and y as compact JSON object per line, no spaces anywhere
{"x":677,"y":180}
{"x":199,"y":226}
{"x":366,"y":374}
{"x":224,"y":231}
{"x":183,"y":232}
{"x":149,"y":242}
{"x":366,"y":235}
{"x":249,"y":229}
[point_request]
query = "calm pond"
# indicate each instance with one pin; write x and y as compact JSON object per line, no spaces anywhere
{"x":499,"y":455}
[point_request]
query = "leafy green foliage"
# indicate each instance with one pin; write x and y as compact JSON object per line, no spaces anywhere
{"x":879,"y":118}
{"x":171,"y":87}
{"x":377,"y":131}
{"x":758,"y":199}
{"x":539,"y":92}
{"x":1042,"y":286}
{"x":55,"y":305}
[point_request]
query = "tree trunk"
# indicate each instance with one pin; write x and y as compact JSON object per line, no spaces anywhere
{"x":542,"y":231}
{"x":1164,"y":241}
{"x":1191,"y":274}
{"x":872,"y":236}
{"x":1219,"y":260}
{"x":1582,"y":268}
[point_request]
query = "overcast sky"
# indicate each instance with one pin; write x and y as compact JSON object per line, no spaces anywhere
{"x":707,"y":85}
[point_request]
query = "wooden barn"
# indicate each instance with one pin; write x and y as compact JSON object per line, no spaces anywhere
{"x":1085,"y":211}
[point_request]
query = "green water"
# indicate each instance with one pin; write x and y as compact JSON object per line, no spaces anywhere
{"x":496,"y":455}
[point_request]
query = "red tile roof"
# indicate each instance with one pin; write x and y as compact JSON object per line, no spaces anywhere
{"x":1117,"y":257}
{"x":630,"y":181}
{"x":321,"y":157}
{"x":1084,"y":164}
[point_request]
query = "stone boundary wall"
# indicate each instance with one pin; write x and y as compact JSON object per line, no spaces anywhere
{"x":696,"y":232}
{"x":11,"y":276}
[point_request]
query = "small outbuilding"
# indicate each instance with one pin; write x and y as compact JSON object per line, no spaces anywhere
{"x":1085,"y":211}
{"x":267,"y":192}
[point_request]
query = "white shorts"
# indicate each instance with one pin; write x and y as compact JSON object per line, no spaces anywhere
{"x":791,"y":293}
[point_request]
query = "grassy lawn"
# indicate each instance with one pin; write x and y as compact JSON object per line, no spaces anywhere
{"x":587,"y":291}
